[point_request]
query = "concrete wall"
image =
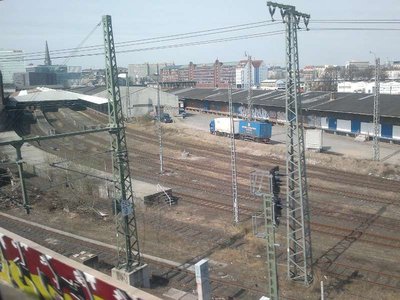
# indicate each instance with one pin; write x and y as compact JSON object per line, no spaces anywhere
{"x":39,"y":271}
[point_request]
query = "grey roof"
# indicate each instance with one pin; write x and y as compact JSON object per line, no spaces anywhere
{"x":362,"y":104}
{"x":89,"y":90}
{"x":351,"y":103}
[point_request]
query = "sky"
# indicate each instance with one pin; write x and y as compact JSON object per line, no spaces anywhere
{"x":27,"y":24}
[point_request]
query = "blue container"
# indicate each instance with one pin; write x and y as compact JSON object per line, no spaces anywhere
{"x":355,"y":126}
{"x":332,"y":123}
{"x":255,"y":130}
{"x":387,"y":131}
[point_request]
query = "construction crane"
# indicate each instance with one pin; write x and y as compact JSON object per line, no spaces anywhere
{"x":124,"y":208}
{"x":299,"y":251}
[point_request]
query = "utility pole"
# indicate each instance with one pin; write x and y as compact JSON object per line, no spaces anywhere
{"x":233,"y":159}
{"x":128,"y":97}
{"x":159,"y":120}
{"x":127,"y":236}
{"x":249,"y":100}
{"x":376,"y":110}
{"x":299,"y":251}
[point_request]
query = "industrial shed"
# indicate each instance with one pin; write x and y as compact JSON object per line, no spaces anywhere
{"x":349,"y":113}
{"x":49,"y":99}
{"x":142,"y":100}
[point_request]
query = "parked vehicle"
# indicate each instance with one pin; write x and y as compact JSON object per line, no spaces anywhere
{"x":222,"y":126}
{"x":255,"y":130}
{"x":165,"y":118}
{"x":246,"y":130}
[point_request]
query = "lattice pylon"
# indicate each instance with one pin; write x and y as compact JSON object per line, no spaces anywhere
{"x":126,"y":229}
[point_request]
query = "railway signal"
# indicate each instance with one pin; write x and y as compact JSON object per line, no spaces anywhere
{"x":276,"y":180}
{"x":262,"y":184}
{"x":276,"y":183}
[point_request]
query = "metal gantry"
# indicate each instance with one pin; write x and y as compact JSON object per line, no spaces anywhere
{"x":233,"y":159}
{"x":17,"y":144}
{"x":127,"y":236}
{"x":376,"y":111}
{"x":299,"y":251}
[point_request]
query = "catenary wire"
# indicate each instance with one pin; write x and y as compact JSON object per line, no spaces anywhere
{"x":156,"y":39}
{"x":194,"y":43}
{"x":208,"y":32}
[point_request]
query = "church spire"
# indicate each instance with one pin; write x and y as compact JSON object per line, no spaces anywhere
{"x":47,"y":60}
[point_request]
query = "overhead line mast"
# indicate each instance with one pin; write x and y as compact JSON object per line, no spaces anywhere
{"x":299,"y":251}
{"x":127,"y":236}
{"x":376,"y":110}
{"x":233,"y":158}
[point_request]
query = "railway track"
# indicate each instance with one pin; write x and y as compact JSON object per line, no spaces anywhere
{"x":248,"y":162}
{"x":206,"y":186}
{"x":178,"y":275}
{"x":343,"y":177}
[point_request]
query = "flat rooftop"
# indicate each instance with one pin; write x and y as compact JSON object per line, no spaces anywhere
{"x":349,"y":103}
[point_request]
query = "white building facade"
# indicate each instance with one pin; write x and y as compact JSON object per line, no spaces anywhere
{"x":258,"y":73}
{"x":392,"y":87}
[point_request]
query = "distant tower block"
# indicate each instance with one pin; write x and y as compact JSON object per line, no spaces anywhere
{"x":47,"y":60}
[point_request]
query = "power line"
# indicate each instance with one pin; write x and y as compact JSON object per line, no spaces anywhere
{"x":356,"y":21}
{"x":161,"y":38}
{"x":194,"y":43}
{"x":353,"y":29}
{"x":204,"y":33}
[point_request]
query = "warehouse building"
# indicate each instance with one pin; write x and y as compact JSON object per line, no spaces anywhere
{"x":142,"y":100}
{"x":346,"y":113}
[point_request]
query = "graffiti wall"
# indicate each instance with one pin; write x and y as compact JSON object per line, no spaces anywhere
{"x":260,"y":113}
{"x":39,"y":274}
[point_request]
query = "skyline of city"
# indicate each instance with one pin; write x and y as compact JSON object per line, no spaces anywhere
{"x":316,"y":47}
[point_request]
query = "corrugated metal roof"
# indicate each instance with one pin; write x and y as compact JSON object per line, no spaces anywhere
{"x":352,"y":103}
{"x":389,"y":105}
{"x":46,"y":95}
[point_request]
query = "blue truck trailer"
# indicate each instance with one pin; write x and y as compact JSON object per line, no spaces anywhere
{"x":255,"y":131}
